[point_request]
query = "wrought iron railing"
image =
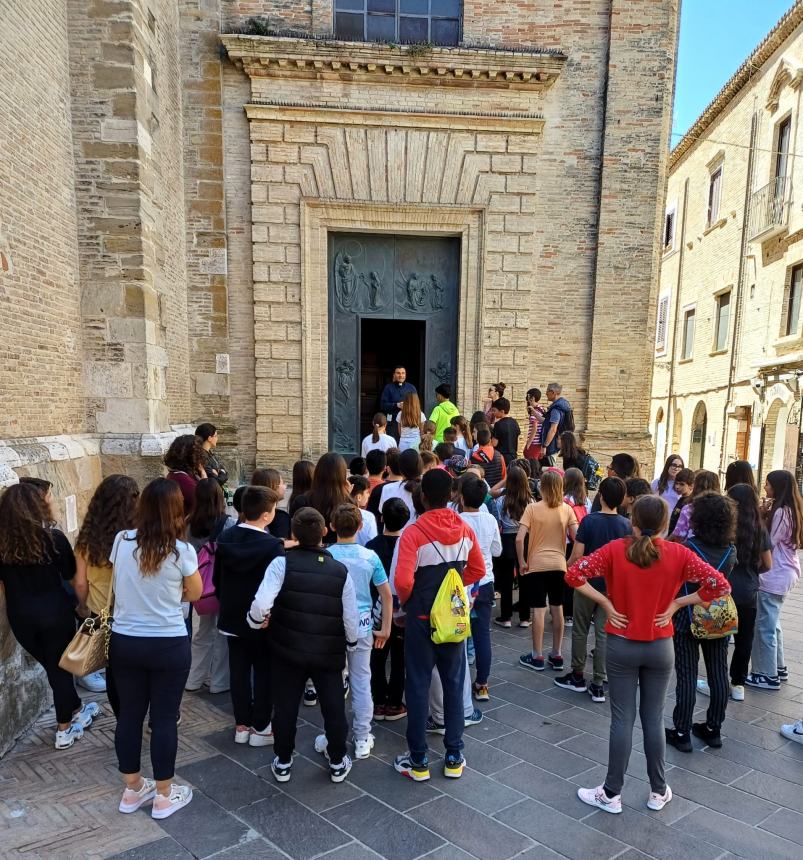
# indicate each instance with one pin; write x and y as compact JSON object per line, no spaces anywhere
{"x":768,"y":206}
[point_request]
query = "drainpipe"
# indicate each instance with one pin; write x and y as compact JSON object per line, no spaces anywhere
{"x":740,"y":287}
{"x":671,"y":404}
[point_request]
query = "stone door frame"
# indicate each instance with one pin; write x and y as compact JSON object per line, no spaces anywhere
{"x":318,"y":219}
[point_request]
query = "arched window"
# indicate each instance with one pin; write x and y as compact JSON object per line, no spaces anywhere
{"x":699,"y":426}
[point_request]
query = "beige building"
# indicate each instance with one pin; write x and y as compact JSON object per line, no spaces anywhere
{"x":729,"y":336}
{"x":246,"y":211}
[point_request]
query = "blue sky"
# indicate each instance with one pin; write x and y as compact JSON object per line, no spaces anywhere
{"x":716,"y":36}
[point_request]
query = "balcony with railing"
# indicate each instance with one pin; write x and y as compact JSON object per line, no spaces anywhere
{"x":769,"y":209}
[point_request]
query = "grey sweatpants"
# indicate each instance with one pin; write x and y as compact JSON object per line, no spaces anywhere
{"x":646,"y":668}
{"x":584,"y":611}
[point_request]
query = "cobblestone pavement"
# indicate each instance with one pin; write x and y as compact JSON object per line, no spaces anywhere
{"x":517,"y":798}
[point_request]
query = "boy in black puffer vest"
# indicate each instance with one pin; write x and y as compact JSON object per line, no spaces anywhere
{"x":242,"y":555}
{"x":311,"y":605}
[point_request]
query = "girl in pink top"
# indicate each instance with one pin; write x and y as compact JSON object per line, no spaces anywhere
{"x":784,"y":516}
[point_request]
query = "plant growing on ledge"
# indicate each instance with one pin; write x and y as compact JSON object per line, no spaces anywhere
{"x":418,"y":49}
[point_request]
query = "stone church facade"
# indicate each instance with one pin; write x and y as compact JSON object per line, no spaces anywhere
{"x":227,"y":210}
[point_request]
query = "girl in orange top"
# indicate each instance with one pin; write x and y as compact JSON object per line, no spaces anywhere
{"x":642,"y":576}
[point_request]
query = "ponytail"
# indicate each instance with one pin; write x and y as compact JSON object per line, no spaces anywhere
{"x":649,"y":516}
{"x":642,"y":552}
{"x":379,"y":420}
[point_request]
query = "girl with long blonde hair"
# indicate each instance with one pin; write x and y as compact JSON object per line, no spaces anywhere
{"x":410,"y":420}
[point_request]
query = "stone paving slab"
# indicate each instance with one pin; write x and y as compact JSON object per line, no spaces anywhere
{"x":517,"y":797}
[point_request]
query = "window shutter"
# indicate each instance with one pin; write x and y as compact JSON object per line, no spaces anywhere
{"x":660,"y":328}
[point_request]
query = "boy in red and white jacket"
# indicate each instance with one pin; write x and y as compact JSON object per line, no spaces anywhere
{"x":438,"y":541}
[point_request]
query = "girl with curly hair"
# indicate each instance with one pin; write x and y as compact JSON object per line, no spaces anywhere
{"x":185,"y":461}
{"x":713,"y":523}
{"x":35,"y":558}
{"x":155,"y":569}
{"x":110,"y":510}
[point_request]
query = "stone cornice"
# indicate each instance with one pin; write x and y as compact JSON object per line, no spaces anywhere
{"x":510,"y":123}
{"x":291,"y":57}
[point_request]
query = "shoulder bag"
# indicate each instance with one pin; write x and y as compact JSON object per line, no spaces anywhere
{"x":88,"y":650}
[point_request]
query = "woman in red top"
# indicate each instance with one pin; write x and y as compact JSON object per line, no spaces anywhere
{"x":642,"y":576}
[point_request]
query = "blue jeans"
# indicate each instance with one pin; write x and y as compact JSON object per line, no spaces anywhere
{"x":767,"y":653}
{"x":481,"y":631}
{"x":421,"y":655}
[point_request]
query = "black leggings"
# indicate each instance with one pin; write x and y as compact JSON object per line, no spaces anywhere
{"x":504,"y":571}
{"x":743,"y":644}
{"x":150,"y":672}
{"x":44,"y":635}
{"x":384,"y":691}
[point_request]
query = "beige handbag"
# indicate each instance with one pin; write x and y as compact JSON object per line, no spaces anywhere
{"x":88,"y":650}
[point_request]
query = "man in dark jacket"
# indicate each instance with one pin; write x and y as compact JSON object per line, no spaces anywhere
{"x":558,"y":417}
{"x":393,"y":394}
{"x":310,"y":602}
{"x":242,"y":555}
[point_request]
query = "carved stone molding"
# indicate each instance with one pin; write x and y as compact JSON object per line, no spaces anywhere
{"x":513,"y":123}
{"x":785,"y":75}
{"x":289,"y":57}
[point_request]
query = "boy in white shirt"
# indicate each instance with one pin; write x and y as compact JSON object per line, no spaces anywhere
{"x":360,"y":493}
{"x":364,"y":569}
{"x":486,"y":528}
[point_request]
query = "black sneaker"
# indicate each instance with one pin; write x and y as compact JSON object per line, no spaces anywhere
{"x":597,"y":692}
{"x":338,"y":772}
{"x":572,"y":682}
{"x":555,"y":662}
{"x":568,"y":621}
{"x":783,"y":673}
{"x":678,"y":740}
{"x":281,"y":772}
{"x":311,"y":697}
{"x":707,"y":734}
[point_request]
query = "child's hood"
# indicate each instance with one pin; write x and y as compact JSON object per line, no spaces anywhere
{"x":443,"y":525}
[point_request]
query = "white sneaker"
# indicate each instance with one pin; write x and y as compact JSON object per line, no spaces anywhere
{"x":165,"y":806}
{"x":261,"y":739}
{"x":793,"y":732}
{"x":321,"y":745}
{"x":88,"y":712}
{"x":702,"y":687}
{"x":363,"y":746}
{"x":132,"y":800}
{"x":737,"y":692}
{"x":659,"y":801}
{"x":597,"y":797}
{"x":241,"y":736}
{"x":65,"y":738}
{"x":95,"y":682}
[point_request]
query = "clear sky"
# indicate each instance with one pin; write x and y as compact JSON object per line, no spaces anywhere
{"x":716,"y":36}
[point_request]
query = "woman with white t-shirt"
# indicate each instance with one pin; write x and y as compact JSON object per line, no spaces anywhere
{"x":378,"y":439}
{"x":410,"y":420}
{"x":154,"y":571}
{"x":411,"y":468}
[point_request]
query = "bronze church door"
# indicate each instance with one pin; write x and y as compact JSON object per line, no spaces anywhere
{"x":392,"y":300}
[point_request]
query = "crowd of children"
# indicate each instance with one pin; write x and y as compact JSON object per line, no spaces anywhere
{"x":308,"y":599}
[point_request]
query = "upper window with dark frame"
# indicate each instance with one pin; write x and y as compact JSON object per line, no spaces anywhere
{"x":403,"y":21}
{"x":714,"y":196}
{"x":793,"y":301}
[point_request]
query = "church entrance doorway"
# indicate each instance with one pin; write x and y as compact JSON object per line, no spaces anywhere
{"x":392,"y":300}
{"x":386,"y":344}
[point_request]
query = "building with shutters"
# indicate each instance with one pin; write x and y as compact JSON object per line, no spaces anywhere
{"x":729,"y":328}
